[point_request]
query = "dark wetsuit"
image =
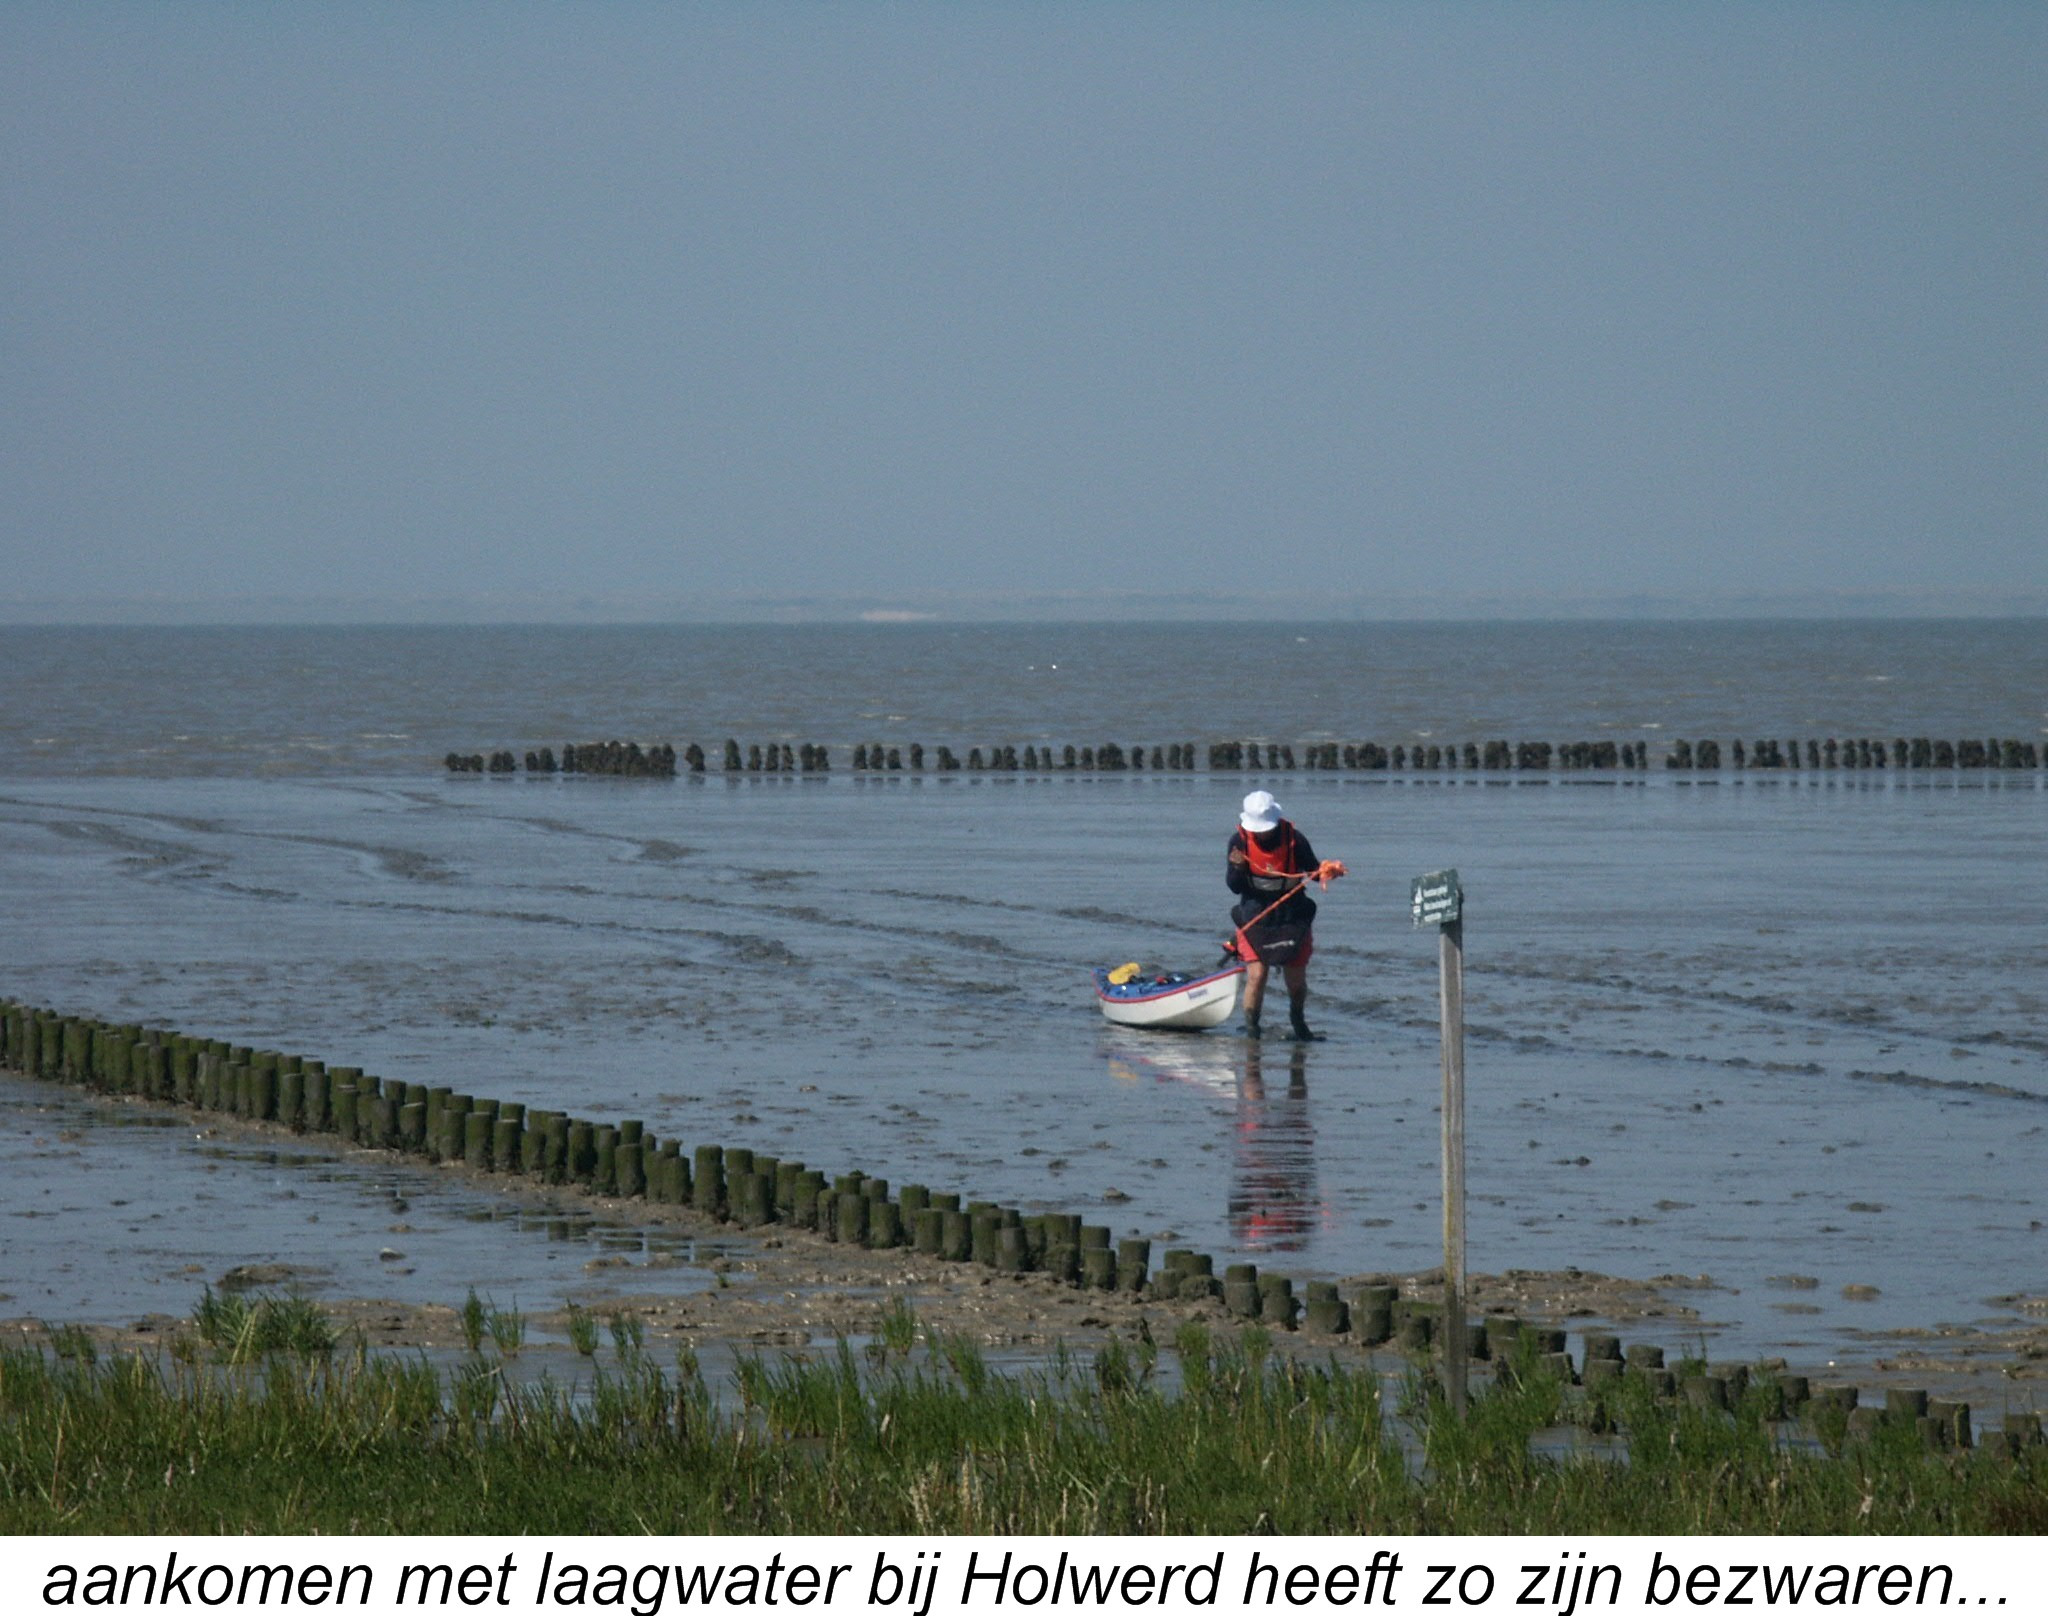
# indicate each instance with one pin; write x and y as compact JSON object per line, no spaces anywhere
{"x":1283,"y":937}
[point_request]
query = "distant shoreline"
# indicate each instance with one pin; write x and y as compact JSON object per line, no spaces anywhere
{"x":2022,"y":604}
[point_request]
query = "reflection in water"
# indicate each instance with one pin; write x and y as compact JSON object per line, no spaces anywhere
{"x":1274,"y":1204}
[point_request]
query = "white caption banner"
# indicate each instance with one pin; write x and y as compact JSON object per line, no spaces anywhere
{"x":940,"y":1576}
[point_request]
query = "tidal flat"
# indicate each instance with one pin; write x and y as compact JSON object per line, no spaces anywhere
{"x":1775,"y":1045}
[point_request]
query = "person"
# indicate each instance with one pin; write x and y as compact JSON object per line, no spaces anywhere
{"x":1268,"y":864}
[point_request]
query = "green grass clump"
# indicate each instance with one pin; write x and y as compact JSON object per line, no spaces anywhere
{"x":508,"y":1330}
{"x":473,"y":1317}
{"x":72,"y":1341}
{"x":582,"y":1330}
{"x":242,"y":1328}
{"x":626,"y":1335}
{"x":897,"y":1330}
{"x":479,"y":1317}
{"x":1215,"y":1439}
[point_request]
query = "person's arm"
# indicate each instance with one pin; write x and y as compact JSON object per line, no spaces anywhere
{"x":1237,"y":870}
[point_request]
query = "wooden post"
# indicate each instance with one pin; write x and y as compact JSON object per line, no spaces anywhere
{"x":1451,"y":955}
{"x":1437,"y":899}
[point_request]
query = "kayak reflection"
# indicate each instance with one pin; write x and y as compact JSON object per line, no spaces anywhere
{"x":1273,"y":1200}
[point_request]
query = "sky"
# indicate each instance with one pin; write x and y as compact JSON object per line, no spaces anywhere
{"x":628,"y":310}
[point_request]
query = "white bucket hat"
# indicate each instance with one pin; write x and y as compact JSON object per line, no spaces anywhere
{"x":1261,"y":812}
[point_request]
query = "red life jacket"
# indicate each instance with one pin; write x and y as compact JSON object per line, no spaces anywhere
{"x":1271,"y":871}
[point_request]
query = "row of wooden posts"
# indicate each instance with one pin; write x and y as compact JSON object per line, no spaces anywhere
{"x":661,"y":760}
{"x":624,"y":1161}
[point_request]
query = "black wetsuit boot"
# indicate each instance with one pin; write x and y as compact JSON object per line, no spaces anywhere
{"x":1251,"y":1024}
{"x":1297,"y":1014}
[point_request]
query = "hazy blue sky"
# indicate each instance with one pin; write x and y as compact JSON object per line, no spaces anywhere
{"x":697,"y":309}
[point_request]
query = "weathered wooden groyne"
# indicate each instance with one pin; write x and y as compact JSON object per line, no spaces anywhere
{"x":625,"y":1162}
{"x":1811,"y":755}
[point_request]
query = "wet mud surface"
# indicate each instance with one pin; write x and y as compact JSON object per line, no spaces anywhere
{"x":390,"y":1250}
{"x":1783,"y":1042}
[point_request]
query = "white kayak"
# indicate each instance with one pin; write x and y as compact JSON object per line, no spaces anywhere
{"x":1172,"y":999}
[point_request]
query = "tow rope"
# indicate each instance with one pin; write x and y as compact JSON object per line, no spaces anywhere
{"x":1323,"y":874}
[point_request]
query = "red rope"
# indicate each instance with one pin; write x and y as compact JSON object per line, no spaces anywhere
{"x":1301,"y":881}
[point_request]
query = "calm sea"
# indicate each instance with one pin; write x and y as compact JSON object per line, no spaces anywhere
{"x":1744,"y":1026}
{"x":268,"y":702}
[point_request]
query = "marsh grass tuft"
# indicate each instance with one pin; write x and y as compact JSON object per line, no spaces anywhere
{"x":219,"y":1319}
{"x":1116,"y":1371}
{"x":480,"y":1316}
{"x":73,"y":1343}
{"x":242,"y":1328}
{"x":508,"y":1330}
{"x":582,"y":1330}
{"x":476,"y":1391}
{"x":965,"y":1360}
{"x":897,"y":1330}
{"x":474,"y":1317}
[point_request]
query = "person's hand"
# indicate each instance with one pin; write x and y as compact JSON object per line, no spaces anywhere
{"x":1237,"y":855}
{"x":1328,"y":871}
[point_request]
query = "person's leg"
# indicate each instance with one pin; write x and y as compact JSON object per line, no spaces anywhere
{"x":1297,"y":998}
{"x":1254,"y":994}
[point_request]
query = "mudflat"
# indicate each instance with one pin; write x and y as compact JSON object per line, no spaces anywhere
{"x":390,"y":1248}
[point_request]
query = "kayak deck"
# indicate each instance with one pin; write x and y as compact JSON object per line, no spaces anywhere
{"x":1170,"y":999}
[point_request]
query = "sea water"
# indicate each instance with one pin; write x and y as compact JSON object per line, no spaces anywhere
{"x":1747,"y":1027}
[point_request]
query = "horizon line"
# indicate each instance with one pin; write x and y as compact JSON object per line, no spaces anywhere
{"x":945,"y":621}
{"x":968,"y":607}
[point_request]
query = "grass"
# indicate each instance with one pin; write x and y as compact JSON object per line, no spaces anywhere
{"x":626,"y":1336}
{"x":1207,"y":1439}
{"x":508,"y":1330}
{"x":473,"y":1317}
{"x":481,"y":1317}
{"x":243,"y":1328}
{"x":897,"y":1330}
{"x":72,"y":1342}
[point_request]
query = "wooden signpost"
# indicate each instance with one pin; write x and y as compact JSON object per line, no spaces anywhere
{"x":1437,"y":900}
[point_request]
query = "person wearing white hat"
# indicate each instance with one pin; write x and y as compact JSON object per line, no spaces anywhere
{"x":1268,"y":864}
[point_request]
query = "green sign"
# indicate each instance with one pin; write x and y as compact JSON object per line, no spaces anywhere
{"x":1436,"y":899}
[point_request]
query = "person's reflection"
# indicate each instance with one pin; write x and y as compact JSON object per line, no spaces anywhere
{"x":1273,"y":1204}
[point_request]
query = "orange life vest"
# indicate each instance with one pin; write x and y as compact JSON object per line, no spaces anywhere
{"x":1272,"y":870}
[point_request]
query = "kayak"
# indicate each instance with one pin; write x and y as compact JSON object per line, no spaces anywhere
{"x":1173,"y":999}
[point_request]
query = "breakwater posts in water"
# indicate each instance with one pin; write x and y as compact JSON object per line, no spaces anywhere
{"x":625,"y":1161}
{"x":661,"y":761}
{"x":622,"y":759}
